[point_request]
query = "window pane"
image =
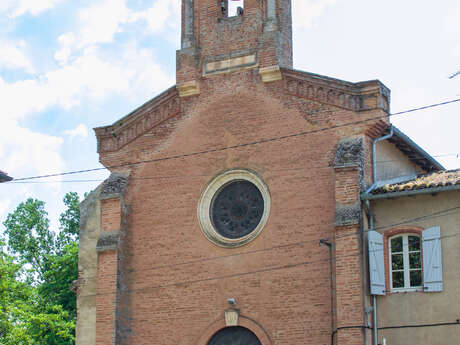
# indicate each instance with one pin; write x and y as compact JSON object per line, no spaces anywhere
{"x":398,"y":279}
{"x":414,"y":243}
{"x":416,"y":278}
{"x":414,"y":260}
{"x":397,"y":245}
{"x":397,"y":262}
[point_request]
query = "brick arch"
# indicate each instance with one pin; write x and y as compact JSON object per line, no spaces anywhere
{"x":243,"y":321}
{"x":416,"y":230}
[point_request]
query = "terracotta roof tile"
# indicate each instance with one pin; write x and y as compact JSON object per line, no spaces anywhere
{"x":433,"y":180}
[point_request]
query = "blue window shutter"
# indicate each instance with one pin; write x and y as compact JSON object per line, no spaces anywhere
{"x":376,"y":263}
{"x":432,"y":260}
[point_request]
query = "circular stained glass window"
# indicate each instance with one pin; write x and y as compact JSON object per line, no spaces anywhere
{"x":234,"y":336}
{"x":234,"y":208}
{"x":237,"y":209}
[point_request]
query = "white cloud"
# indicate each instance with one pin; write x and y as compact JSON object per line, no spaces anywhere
{"x":88,"y":76}
{"x":66,"y":42}
{"x":16,"y":8}
{"x":80,"y":131}
{"x":100,"y":23}
{"x":13,"y":57}
{"x":305,"y":12}
{"x":163,"y":14}
{"x":25,"y":152}
{"x":4,"y":205}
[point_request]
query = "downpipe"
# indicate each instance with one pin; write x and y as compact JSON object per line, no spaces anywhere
{"x":371,"y":222}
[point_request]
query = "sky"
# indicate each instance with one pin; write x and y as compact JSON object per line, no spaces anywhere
{"x":67,"y":66}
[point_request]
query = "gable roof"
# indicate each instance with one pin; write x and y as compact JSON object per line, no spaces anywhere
{"x":414,"y":152}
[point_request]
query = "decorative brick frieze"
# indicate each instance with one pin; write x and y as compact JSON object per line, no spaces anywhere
{"x":137,"y":123}
{"x":351,"y":96}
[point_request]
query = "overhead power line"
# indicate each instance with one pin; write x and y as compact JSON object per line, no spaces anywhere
{"x":437,"y":214}
{"x":261,"y":141}
{"x":188,"y":176}
{"x":454,"y":75}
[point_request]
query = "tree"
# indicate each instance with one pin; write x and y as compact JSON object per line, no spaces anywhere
{"x":57,"y":280}
{"x":36,"y":303}
{"x":69,"y":221}
{"x":29,"y":236}
{"x":14,"y":296}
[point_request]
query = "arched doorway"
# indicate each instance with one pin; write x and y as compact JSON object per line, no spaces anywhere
{"x":234,"y":336}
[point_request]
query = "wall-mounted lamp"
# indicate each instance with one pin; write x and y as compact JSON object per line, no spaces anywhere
{"x":231,"y":301}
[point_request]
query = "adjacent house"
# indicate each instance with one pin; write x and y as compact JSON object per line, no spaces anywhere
{"x":255,"y":204}
{"x":414,"y":244}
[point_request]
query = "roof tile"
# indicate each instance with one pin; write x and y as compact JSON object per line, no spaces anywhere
{"x":433,"y":180}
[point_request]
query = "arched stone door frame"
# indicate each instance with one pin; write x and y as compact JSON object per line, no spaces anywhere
{"x":243,"y":321}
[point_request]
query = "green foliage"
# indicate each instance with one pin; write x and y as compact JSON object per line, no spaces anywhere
{"x":36,"y":304}
{"x":14,"y":296}
{"x":63,"y":270}
{"x":70,"y":221}
{"x":29,"y":237}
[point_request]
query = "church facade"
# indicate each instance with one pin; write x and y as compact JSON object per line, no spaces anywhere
{"x":234,"y":211}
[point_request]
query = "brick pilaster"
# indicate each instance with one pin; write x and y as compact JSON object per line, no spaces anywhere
{"x":107,"y":260}
{"x":348,"y":244}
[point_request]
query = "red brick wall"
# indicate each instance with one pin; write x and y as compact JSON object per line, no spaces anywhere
{"x":110,"y":214}
{"x":106,"y":297}
{"x":347,"y":186}
{"x":176,"y":282}
{"x":216,"y":36}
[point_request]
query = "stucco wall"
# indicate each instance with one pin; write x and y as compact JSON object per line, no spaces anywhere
{"x":87,"y":269}
{"x":422,"y":308}
{"x":392,"y":163}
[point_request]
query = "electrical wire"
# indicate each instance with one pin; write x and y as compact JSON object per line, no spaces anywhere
{"x":298,"y":243}
{"x":261,"y":141}
{"x":201,"y":175}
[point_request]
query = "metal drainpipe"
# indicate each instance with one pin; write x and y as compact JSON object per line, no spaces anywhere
{"x":329,"y":245}
{"x":374,"y":158}
{"x":374,"y":297}
{"x":371,"y":221}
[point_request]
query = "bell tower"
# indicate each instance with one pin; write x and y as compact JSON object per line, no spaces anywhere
{"x":217,"y":38}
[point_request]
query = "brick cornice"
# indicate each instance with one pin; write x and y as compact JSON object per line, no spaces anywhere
{"x":149,"y":115}
{"x":360,"y":96}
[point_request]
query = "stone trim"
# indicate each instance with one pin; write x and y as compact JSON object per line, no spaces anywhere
{"x":189,"y":88}
{"x":231,"y":317}
{"x":269,"y":74}
{"x":114,"y":186}
{"x":108,"y":241}
{"x":206,"y":198}
{"x":231,"y":64}
{"x":346,"y":215}
{"x":350,"y":153}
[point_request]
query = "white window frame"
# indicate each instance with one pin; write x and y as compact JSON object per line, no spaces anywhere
{"x":406,"y":266}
